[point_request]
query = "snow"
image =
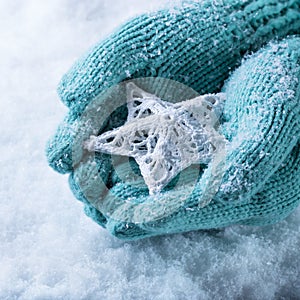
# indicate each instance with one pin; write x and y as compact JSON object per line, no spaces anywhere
{"x":49,"y":249}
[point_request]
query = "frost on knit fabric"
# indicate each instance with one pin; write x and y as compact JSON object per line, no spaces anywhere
{"x":200,"y":45}
{"x":262,"y":128}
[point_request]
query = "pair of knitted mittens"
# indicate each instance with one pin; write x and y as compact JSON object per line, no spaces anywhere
{"x":205,"y":46}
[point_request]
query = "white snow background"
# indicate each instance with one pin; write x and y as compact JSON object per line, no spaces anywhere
{"x":48,"y":248}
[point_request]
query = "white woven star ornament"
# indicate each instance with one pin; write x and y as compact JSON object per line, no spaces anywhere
{"x":164,"y":138}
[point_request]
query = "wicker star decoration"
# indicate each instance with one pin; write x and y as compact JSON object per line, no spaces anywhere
{"x":163,"y":137}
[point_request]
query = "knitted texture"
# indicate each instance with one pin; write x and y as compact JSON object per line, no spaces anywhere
{"x":199,"y":45}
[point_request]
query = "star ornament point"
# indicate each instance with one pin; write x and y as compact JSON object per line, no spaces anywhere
{"x":163,"y":137}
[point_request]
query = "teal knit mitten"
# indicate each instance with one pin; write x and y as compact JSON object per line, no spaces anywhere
{"x":199,"y":45}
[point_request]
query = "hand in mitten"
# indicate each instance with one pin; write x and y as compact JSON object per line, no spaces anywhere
{"x":199,"y":45}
